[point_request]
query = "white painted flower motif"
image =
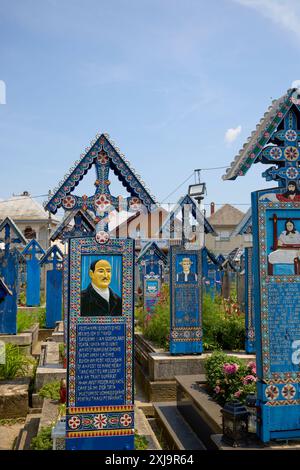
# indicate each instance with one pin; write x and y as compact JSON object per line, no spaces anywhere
{"x":100,"y":421}
{"x":126,"y":420}
{"x":74,"y":422}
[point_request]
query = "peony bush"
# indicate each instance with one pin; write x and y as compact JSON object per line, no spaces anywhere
{"x":229,"y":377}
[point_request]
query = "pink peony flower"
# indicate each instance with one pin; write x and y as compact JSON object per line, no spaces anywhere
{"x":248,"y":379}
{"x":217,"y":389}
{"x":252,"y":366}
{"x":238,"y":393}
{"x":230,"y":369}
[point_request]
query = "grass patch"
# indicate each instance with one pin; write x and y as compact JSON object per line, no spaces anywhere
{"x":16,"y":364}
{"x":27,"y":318}
{"x":50,"y":390}
{"x":140,"y":442}
{"x":43,"y":440}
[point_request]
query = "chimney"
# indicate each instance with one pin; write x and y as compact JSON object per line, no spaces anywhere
{"x":212,"y":208}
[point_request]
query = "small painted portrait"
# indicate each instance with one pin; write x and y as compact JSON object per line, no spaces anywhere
{"x":101,"y":297}
{"x":289,"y":236}
{"x":186,"y":269}
{"x":284,"y":243}
{"x":291,"y":193}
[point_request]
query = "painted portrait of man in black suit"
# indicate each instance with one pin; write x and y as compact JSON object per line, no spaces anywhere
{"x":98,"y":299}
{"x":186,"y":275}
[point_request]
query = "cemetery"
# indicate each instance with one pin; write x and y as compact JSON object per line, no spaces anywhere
{"x":113,"y":342}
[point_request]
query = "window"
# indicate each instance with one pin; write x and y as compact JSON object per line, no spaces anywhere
{"x":223,"y":236}
{"x":29,"y":233}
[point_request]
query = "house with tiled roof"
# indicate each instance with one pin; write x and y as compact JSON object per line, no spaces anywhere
{"x":30,"y":217}
{"x":225,"y":221}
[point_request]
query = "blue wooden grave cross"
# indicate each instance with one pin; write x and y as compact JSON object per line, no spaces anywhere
{"x":210,"y":273}
{"x":276,"y":266}
{"x":151,"y":262}
{"x":53,"y":257}
{"x":100,"y":353}
{"x":33,"y":251}
{"x":9,"y":273}
{"x":245,"y":228}
{"x":186,"y":277}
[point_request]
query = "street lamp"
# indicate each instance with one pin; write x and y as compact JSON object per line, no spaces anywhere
{"x":197,"y":191}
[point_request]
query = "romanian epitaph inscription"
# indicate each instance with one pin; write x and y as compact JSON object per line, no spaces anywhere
{"x":284,"y":324}
{"x":187,"y":306}
{"x":100,"y":364}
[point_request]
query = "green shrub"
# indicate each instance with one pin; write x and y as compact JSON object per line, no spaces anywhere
{"x":140,"y":442}
{"x":43,"y":440}
{"x":223,"y":324}
{"x":50,"y":390}
{"x":16,"y":364}
{"x":139,"y":318}
{"x":157,"y":324}
{"x":26,"y":319}
{"x":22,"y":299}
{"x":62,"y":351}
{"x":229,"y":377}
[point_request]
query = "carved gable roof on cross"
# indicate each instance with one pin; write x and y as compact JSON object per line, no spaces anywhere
{"x":102,"y":153}
{"x":52,"y":256}
{"x":245,"y":225}
{"x":33,"y":248}
{"x":275,"y":140}
{"x":83,"y":224}
{"x":104,"y":156}
{"x":196,"y":213}
{"x":151,"y":249}
{"x":210,"y":255}
{"x":15,"y":234}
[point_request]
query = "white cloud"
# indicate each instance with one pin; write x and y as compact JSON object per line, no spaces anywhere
{"x":232,"y":134}
{"x":285,"y":13}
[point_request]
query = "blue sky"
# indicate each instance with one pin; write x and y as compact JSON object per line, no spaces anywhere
{"x":166,"y":79}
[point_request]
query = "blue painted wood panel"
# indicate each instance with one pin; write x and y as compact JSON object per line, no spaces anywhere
{"x":33,"y":282}
{"x":249,"y":303}
{"x":53,"y":297}
{"x":100,"y":350}
{"x":277,"y":317}
{"x":8,"y":307}
{"x":185,"y":301}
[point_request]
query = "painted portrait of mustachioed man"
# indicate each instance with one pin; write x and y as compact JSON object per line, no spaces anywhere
{"x":101,"y":286}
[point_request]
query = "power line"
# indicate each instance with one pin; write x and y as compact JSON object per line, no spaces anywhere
{"x":178,"y":187}
{"x":199,"y":169}
{"x":21,"y":198}
{"x":230,"y":203}
{"x":214,"y":168}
